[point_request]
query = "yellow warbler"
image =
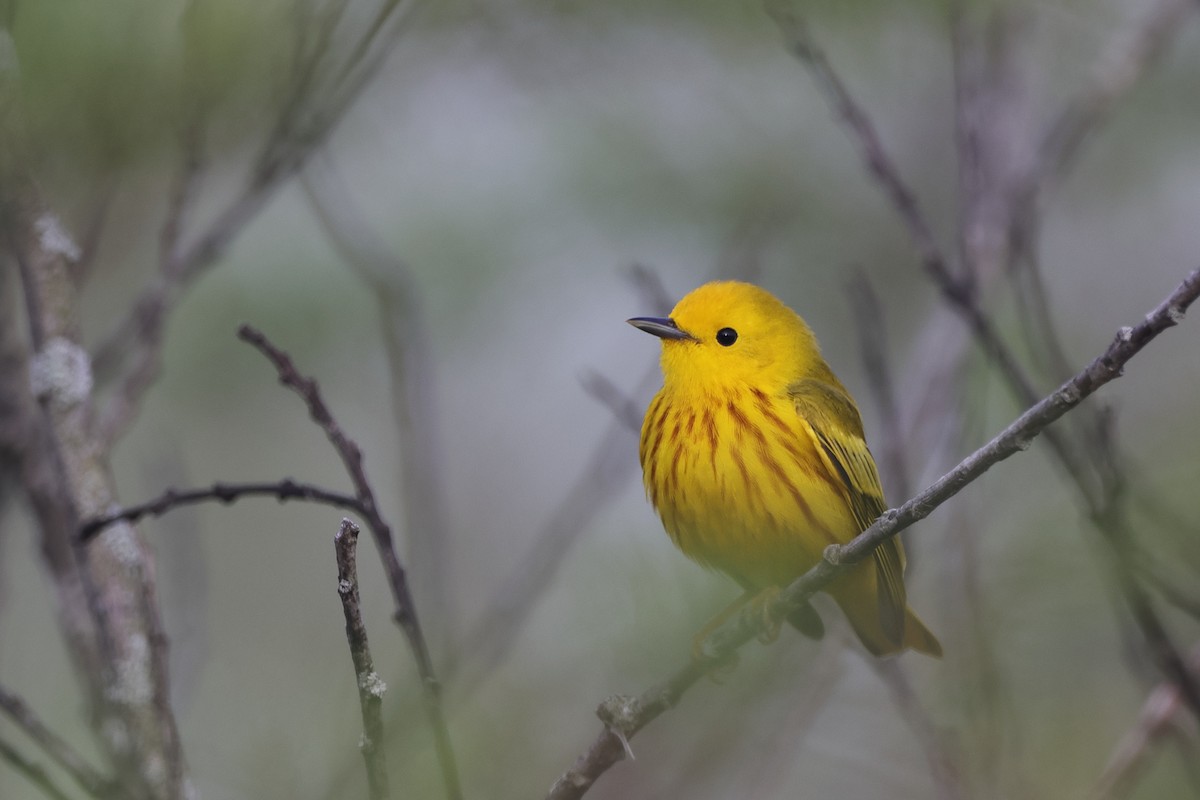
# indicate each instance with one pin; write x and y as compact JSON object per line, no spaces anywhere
{"x":753,"y":454}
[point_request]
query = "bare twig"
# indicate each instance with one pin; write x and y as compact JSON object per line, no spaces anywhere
{"x":960,"y":293}
{"x":805,"y":700}
{"x":377,"y":31}
{"x":370,"y":686}
{"x":1120,"y":67}
{"x":939,"y":753}
{"x":991,"y":121}
{"x":1157,"y":720}
{"x":405,"y":611}
{"x":609,"y":395}
{"x":1153,"y":570}
{"x":88,"y":778}
{"x":307,"y":118}
{"x":604,"y":472}
{"x":868,"y":314}
{"x":171,"y":499}
{"x":649,"y":285}
{"x":34,"y":773}
{"x":1102,"y":496}
{"x":624,"y":716}
{"x":144,"y":354}
{"x":874,"y":155}
{"x":402,"y":320}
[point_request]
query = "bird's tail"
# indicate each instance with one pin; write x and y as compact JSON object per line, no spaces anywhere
{"x":856,"y":593}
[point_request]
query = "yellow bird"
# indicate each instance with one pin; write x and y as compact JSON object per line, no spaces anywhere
{"x":753,"y":454}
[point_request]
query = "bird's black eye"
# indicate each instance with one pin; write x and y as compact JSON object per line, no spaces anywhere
{"x":726,"y":337}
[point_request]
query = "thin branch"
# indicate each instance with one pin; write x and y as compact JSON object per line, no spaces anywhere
{"x":376,"y":32}
{"x":88,"y":778}
{"x":872,"y":340}
{"x":145,"y":346}
{"x":1120,"y":67}
{"x":623,"y":407}
{"x":881,"y":166}
{"x":405,"y":612}
{"x":370,"y":686}
{"x":624,"y":716}
{"x":171,"y":499}
{"x":650,"y":287}
{"x":991,"y":112}
{"x":941,"y":756}
{"x":306,"y":120}
{"x":1152,"y":567}
{"x":805,"y":700}
{"x":34,"y":773}
{"x":960,"y":293}
{"x":495,"y":634}
{"x":1157,"y":720}
{"x":1104,"y":508}
{"x":402,"y":320}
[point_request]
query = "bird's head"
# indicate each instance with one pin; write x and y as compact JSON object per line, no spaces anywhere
{"x":727,"y":333}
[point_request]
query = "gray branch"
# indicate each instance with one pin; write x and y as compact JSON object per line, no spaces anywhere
{"x":624,"y":716}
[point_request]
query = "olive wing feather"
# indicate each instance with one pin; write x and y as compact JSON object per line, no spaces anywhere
{"x":834,"y":424}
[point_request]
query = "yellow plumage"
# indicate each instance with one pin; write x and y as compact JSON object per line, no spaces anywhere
{"x":753,"y":454}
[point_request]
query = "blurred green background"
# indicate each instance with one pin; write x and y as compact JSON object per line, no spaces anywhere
{"x":519,"y":157}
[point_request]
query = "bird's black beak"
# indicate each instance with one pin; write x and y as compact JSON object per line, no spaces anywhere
{"x":662,"y":327}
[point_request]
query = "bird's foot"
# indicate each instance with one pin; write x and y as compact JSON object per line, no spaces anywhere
{"x":762,"y":604}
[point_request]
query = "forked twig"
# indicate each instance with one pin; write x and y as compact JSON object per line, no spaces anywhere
{"x":87,"y":777}
{"x":1101,"y":496}
{"x":34,"y":773}
{"x":405,"y":610}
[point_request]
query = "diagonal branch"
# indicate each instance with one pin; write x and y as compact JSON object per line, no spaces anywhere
{"x":1156,"y":721}
{"x":624,"y":716}
{"x":405,"y":613}
{"x":1101,"y":497}
{"x":494,"y":635}
{"x":313,"y":108}
{"x":34,"y":773}
{"x":88,"y":778}
{"x":942,"y":757}
{"x":402,"y":320}
{"x":1121,"y":66}
{"x":960,"y":293}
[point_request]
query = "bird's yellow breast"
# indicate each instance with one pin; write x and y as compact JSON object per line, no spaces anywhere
{"x":739,"y":485}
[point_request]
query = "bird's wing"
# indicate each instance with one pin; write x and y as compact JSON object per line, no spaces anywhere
{"x":833,"y":423}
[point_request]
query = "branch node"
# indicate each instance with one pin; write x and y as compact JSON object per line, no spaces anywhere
{"x":620,"y":713}
{"x":61,"y":374}
{"x":1125,"y":334}
{"x":54,"y":239}
{"x":833,"y":554}
{"x":370,"y":682}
